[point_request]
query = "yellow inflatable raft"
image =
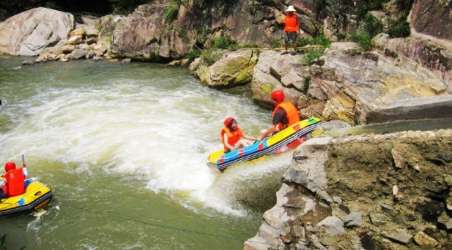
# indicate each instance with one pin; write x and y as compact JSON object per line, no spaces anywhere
{"x":36,"y":196}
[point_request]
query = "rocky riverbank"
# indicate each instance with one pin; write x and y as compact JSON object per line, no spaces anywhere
{"x":373,"y":192}
{"x":401,"y":78}
{"x":358,"y":61}
{"x":346,"y":83}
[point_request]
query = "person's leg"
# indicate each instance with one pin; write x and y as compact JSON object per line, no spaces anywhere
{"x":2,"y":195}
{"x":265,"y":133}
{"x":295,"y":36}
{"x":245,"y":142}
{"x":286,"y":40}
{"x":293,"y":40}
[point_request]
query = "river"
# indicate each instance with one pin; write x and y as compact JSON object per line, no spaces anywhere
{"x":124,"y":147}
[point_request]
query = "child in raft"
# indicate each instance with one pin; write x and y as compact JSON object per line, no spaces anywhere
{"x":12,"y":182}
{"x":232,"y":136}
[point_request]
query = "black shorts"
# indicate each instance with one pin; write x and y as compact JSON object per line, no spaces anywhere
{"x":290,"y":38}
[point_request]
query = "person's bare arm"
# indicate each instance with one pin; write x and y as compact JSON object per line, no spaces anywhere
{"x":225,"y":139}
{"x":251,"y":138}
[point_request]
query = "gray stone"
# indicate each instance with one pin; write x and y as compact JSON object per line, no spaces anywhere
{"x":29,"y":32}
{"x":195,"y":64}
{"x":91,"y":40}
{"x":398,"y":235}
{"x":371,"y":87}
{"x":234,"y":68}
{"x":337,"y":200}
{"x":332,"y":225}
{"x":354,"y":219}
{"x":413,"y":108}
{"x":126,"y":60}
{"x":399,"y":161}
{"x":271,"y":67}
{"x":424,"y":240}
{"x":77,"y":54}
{"x":256,"y":243}
{"x":73,"y":40}
{"x":377,"y":218}
{"x":445,"y":220}
{"x":66,"y":49}
{"x":448,"y":179}
{"x":27,"y":62}
{"x":449,"y":201}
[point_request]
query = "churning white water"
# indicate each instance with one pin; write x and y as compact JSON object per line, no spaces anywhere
{"x":157,"y":130}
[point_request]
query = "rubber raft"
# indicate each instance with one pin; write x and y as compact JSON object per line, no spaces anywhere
{"x":269,"y":145}
{"x":36,"y":196}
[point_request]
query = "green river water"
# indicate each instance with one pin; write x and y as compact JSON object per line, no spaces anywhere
{"x":124,"y":147}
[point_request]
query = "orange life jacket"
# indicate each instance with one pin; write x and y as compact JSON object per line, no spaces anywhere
{"x":293,"y":116}
{"x":232,"y":136}
{"x":291,"y":23}
{"x":15,"y":182}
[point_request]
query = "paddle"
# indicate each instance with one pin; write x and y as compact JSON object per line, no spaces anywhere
{"x":23,"y":161}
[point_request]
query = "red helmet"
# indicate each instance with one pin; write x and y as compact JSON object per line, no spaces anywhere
{"x":10,"y":166}
{"x":278,"y":96}
{"x":228,"y":121}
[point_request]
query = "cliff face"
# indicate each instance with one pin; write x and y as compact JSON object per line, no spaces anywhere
{"x":373,"y":192}
{"x":167,"y":30}
{"x":433,"y":18}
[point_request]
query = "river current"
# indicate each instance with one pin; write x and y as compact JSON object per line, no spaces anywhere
{"x":124,"y":148}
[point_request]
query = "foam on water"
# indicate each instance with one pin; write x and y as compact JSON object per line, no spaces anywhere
{"x":162,"y":135}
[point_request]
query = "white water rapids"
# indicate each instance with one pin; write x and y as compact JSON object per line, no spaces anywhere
{"x":158,"y":131}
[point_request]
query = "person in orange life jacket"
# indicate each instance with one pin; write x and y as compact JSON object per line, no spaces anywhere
{"x":14,"y":180}
{"x":291,"y":28}
{"x":284,"y":114}
{"x":232,"y":136}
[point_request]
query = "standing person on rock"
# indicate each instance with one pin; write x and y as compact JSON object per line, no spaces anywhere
{"x":291,"y":28}
{"x":284,"y":114}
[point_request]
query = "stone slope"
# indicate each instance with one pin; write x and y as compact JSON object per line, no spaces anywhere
{"x":373,"y":192}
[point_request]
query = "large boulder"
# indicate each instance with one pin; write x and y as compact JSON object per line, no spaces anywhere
{"x":277,"y":70}
{"x":145,"y":34}
{"x":430,"y":55}
{"x":358,"y":86}
{"x":28,"y":33}
{"x":351,"y":179}
{"x":433,"y":18}
{"x":234,"y":68}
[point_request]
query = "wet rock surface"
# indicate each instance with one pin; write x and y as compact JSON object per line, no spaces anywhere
{"x":350,"y":183}
{"x":28,"y":33}
{"x":234,"y":68}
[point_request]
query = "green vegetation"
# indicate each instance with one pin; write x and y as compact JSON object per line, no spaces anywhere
{"x":122,"y":6}
{"x":363,"y":38}
{"x":369,"y":28}
{"x":321,"y":40}
{"x":372,"y":25}
{"x":210,"y":56}
{"x":224,"y":42}
{"x":276,"y":43}
{"x":193,"y":54}
{"x":401,"y":28}
{"x":249,"y":45}
{"x":170,"y":12}
{"x":307,"y":83}
{"x":312,"y":55}
{"x":319,"y":44}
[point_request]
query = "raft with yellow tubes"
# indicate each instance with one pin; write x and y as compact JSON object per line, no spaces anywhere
{"x":267,"y":146}
{"x":36,"y":196}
